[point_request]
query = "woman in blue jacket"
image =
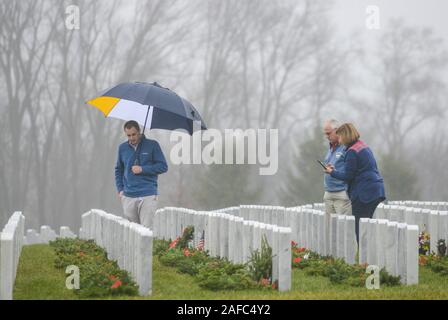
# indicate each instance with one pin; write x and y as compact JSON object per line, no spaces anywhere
{"x":365,"y":184}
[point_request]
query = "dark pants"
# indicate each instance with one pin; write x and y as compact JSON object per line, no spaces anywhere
{"x":363,"y":210}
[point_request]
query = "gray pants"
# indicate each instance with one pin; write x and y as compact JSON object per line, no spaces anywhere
{"x":337,"y":203}
{"x":140,"y":210}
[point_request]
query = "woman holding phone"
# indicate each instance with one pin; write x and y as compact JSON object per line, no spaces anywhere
{"x":365,"y":184}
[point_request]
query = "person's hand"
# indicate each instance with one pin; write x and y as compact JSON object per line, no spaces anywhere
{"x":137,"y":169}
{"x":329,"y":168}
{"x":120,"y":194}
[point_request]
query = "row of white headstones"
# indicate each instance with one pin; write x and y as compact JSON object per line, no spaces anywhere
{"x":11,"y":242}
{"x":390,"y":240}
{"x":386,"y":244}
{"x":128,"y":243}
{"x":229,"y":237}
{"x":432,"y":205}
{"x":46,"y":235}
{"x":431,"y":217}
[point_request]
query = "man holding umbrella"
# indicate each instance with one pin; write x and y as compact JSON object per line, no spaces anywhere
{"x":139,"y":162}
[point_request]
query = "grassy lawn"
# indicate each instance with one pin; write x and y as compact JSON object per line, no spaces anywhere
{"x":38,"y":279}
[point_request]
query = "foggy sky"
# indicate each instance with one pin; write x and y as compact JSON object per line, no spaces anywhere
{"x":188,"y":64}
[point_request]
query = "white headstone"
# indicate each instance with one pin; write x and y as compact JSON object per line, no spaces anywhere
{"x":372,"y":251}
{"x":334,"y":234}
{"x":145,"y":259}
{"x":402,"y":246}
{"x":6,"y":265}
{"x":239,"y":240}
{"x":247,"y":240}
{"x":232,"y":238}
{"x":443,"y":226}
{"x":275,"y":252}
{"x":364,"y":224}
{"x":32,"y":237}
{"x":409,"y":216}
{"x":316,"y":236}
{"x":350,"y":240}
{"x":257,"y":236}
{"x":381,"y":235}
{"x":340,"y":237}
{"x":418,"y":218}
{"x":284,"y":260}
{"x":426,"y":214}
{"x":322,"y":236}
{"x":412,"y":255}
{"x":434,"y":230}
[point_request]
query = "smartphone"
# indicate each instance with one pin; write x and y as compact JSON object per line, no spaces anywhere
{"x":322,"y":164}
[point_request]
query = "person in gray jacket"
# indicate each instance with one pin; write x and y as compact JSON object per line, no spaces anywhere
{"x":335,"y":197}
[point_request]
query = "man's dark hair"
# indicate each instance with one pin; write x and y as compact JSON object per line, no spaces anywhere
{"x":132,"y":124}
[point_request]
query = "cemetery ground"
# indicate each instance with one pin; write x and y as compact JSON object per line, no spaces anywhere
{"x":37,"y":278}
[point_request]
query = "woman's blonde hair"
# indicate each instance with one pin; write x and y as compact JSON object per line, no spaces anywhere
{"x":348,"y":133}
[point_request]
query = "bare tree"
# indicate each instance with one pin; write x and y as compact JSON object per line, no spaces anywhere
{"x":24,"y":51}
{"x":411,"y":64}
{"x":141,"y":55}
{"x":58,"y":150}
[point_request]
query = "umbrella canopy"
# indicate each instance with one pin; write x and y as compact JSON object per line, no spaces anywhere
{"x":150,"y":104}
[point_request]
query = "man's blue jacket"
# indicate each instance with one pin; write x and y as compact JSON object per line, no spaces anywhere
{"x":150,"y":158}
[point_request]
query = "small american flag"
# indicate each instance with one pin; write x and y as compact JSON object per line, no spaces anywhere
{"x":201,"y":241}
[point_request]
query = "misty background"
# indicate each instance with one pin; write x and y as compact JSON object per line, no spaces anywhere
{"x":286,"y":65}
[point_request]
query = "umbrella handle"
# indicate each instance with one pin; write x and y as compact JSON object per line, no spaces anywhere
{"x":146,"y":119}
{"x":136,"y":161}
